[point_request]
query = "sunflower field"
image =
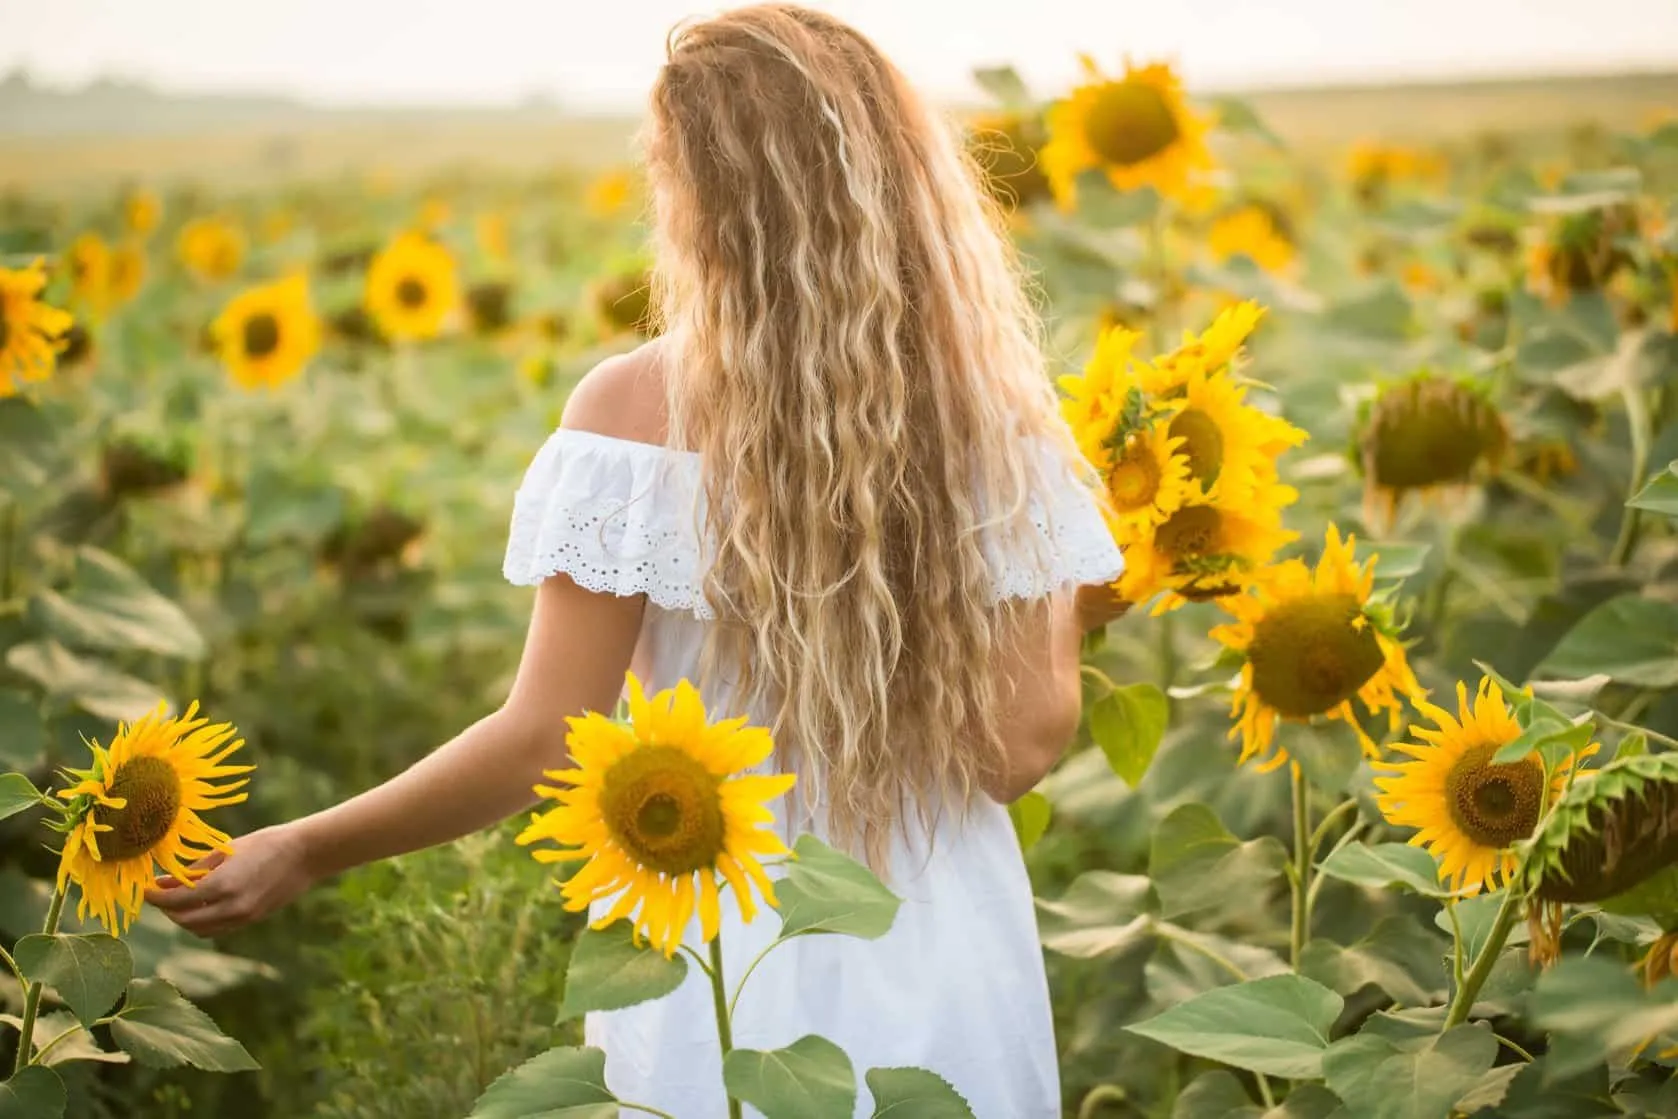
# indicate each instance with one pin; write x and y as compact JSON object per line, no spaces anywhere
{"x":1374,"y":810}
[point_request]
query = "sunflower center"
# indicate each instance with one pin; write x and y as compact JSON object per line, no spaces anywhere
{"x":1429,"y":432}
{"x":152,"y":789}
{"x":1130,"y":122}
{"x":5,"y":333}
{"x":662,"y":807}
{"x":1494,"y":805}
{"x":261,"y":335}
{"x":1203,"y":443}
{"x":1134,"y":479}
{"x":1189,"y":533}
{"x":410,"y":292}
{"x":1312,"y":654}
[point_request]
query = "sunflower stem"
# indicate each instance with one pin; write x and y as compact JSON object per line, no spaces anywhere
{"x":32,"y":998}
{"x":1099,"y":1095}
{"x":1302,"y":851}
{"x":1456,"y":945}
{"x":719,"y":996}
{"x":1637,"y":417}
{"x":1463,"y":1003}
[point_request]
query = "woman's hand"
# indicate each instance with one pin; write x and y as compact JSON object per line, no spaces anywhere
{"x":1098,"y":604}
{"x":266,"y":870}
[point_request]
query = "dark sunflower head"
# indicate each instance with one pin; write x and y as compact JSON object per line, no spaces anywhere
{"x":623,"y":303}
{"x":1005,"y":146}
{"x":1311,"y":654}
{"x":491,"y":306}
{"x":1428,"y":431}
{"x":131,"y":468}
{"x":1610,"y":835}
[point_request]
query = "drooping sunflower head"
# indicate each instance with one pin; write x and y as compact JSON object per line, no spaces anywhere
{"x":130,"y":468}
{"x":1314,"y":641}
{"x":1469,"y":810}
{"x":1209,"y":547}
{"x":137,"y":807}
{"x":412,"y":288}
{"x":1138,"y":129}
{"x":31,"y":333}
{"x":1252,"y":232}
{"x":1426,"y":435}
{"x":265,"y":336}
{"x":490,"y":305}
{"x":211,"y":248}
{"x":623,"y":304}
{"x":661,"y":814}
{"x":1005,"y":147}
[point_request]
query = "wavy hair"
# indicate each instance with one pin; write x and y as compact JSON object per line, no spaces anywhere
{"x":851,"y":349}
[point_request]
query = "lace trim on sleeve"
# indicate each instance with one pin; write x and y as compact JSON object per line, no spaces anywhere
{"x":1072,"y":546}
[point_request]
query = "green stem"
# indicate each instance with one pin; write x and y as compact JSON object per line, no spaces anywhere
{"x":1463,"y":1002}
{"x":1317,"y":883}
{"x":1637,"y":417}
{"x":11,"y":964}
{"x":645,"y":1108}
{"x":32,"y":998}
{"x":1513,"y":1048}
{"x":41,"y":1057}
{"x":1166,"y":932}
{"x":1328,"y":822}
{"x":761,"y":956}
{"x":1456,"y":945}
{"x":1098,"y":1095}
{"x":1302,"y":850}
{"x":1264,"y":1092}
{"x":719,"y":995}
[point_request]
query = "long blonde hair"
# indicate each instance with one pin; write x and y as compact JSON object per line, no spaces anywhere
{"x":849,"y":347}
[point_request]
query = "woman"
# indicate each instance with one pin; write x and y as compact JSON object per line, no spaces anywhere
{"x":836,"y":492}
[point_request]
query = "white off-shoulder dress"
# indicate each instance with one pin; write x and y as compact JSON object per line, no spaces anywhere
{"x":957,"y":986}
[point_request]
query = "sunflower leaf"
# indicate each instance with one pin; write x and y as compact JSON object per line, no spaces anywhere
{"x":609,"y":971}
{"x":1595,"y":1008}
{"x":809,"y":1079}
{"x":1128,"y":724}
{"x":109,"y":606}
{"x":17,"y":793}
{"x":1278,"y":1026}
{"x":1537,"y":732}
{"x":563,"y":1083}
{"x":1030,"y":816}
{"x":1399,"y":955}
{"x":157,"y":1027}
{"x":35,"y":1092}
{"x":1100,"y":912}
{"x":1379,"y":1078}
{"x":1197,"y":865}
{"x":1661,"y":494}
{"x":88,"y":972}
{"x":827,"y":892}
{"x":902,"y":1093}
{"x":1630,"y":638}
{"x":1381,"y":865}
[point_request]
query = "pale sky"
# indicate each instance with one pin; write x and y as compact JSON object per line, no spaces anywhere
{"x":605,"y":52}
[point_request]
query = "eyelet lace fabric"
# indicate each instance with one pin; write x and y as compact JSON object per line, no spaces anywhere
{"x":625,"y":518}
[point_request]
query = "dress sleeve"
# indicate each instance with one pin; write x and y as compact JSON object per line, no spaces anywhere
{"x":616,"y":516}
{"x":1070,"y":545}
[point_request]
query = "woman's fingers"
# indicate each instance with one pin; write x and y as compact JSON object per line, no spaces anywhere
{"x":170,"y":894}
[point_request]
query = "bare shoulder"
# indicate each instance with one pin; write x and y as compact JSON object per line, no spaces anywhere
{"x":622,"y":397}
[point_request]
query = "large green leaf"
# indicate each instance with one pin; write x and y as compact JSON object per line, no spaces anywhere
{"x":1630,"y":638}
{"x":825,"y":891}
{"x":88,"y":972}
{"x":914,"y":1093}
{"x":1399,"y":955}
{"x":69,"y":1039}
{"x":1005,"y":84}
{"x":1128,"y":724}
{"x":1595,"y":1008}
{"x":1234,"y":114}
{"x":1382,"y":1079}
{"x":1278,"y":1026}
{"x":23,"y":734}
{"x":565,"y":1083}
{"x":17,"y":794}
{"x":1030,"y":816}
{"x":1476,"y":917}
{"x":1380,"y":865}
{"x":160,"y":1028}
{"x":109,"y":606}
{"x":1197,"y":865}
{"x":27,"y":438}
{"x":1660,"y":494}
{"x":1100,"y":912}
{"x":608,"y":971}
{"x":32,"y":1093}
{"x":1219,"y":1093}
{"x":809,"y":1079}
{"x":92,"y":685}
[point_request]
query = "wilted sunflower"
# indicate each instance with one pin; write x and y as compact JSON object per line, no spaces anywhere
{"x":1313,"y":641}
{"x":1426,"y":435}
{"x":412,"y":288}
{"x":31,"y":333}
{"x":138,"y":807}
{"x":1470,"y":812}
{"x":1138,"y":129}
{"x":267,"y":334}
{"x":89,"y":261}
{"x":211,"y":248}
{"x":659,"y":809}
{"x":1207,"y":548}
{"x":141,"y":211}
{"x":1005,"y":146}
{"x":623,"y":303}
{"x":1580,"y":253}
{"x":1251,"y":232}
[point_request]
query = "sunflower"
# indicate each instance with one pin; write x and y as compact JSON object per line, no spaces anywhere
{"x":1213,"y":349}
{"x":623,"y":303}
{"x":1105,"y":392}
{"x":609,"y":193}
{"x":267,"y":334}
{"x":1426,"y":435}
{"x":141,"y":211}
{"x":1313,"y":642}
{"x":127,"y":272}
{"x":1251,"y":232}
{"x":89,"y":261}
{"x":412,"y":288}
{"x":1469,"y":811}
{"x":1005,"y":145}
{"x":31,"y":333}
{"x":1208,"y":547}
{"x":1138,"y":129}
{"x":490,"y":231}
{"x":211,"y":248}
{"x":139,"y":804}
{"x":659,"y":810}
{"x":1225,"y":439}
{"x":434,"y":214}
